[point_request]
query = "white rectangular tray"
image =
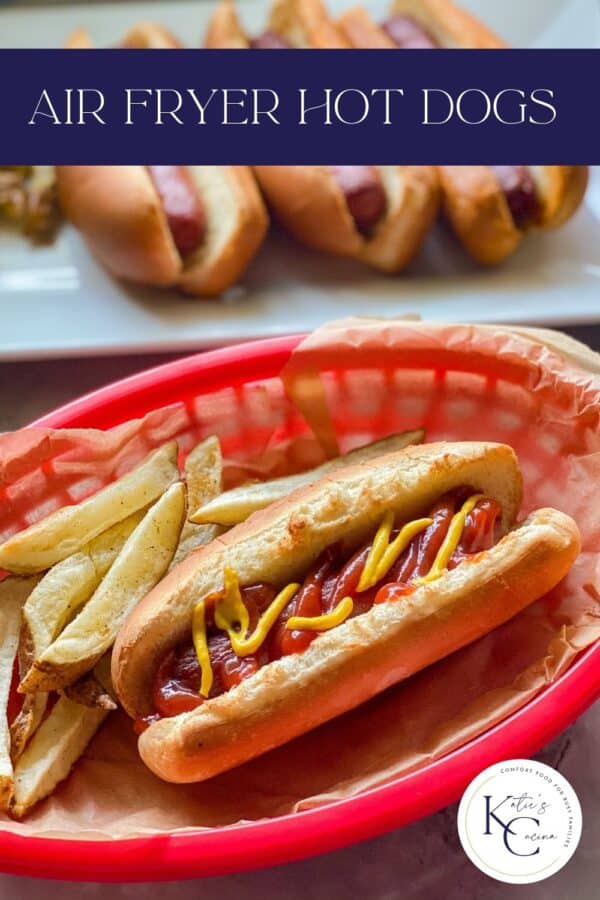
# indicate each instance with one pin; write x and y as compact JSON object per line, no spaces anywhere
{"x":57,"y":301}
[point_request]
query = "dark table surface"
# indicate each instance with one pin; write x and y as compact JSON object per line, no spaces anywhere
{"x":423,"y":861}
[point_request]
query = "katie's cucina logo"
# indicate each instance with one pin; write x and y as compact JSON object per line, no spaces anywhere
{"x":519,"y":821}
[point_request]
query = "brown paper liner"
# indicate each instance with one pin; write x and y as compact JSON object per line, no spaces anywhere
{"x":352,"y":381}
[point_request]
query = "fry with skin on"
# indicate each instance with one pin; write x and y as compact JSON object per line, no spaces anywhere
{"x":93,"y":689}
{"x":69,"y":529}
{"x":51,"y":605}
{"x":13,"y":593}
{"x":204,"y":481}
{"x":53,"y":750}
{"x":142,"y":562}
{"x":235,"y":506}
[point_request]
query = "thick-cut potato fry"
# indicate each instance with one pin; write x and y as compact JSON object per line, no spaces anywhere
{"x":69,"y":529}
{"x":141,"y":564}
{"x":236,"y":505}
{"x":53,"y":750}
{"x":71,"y":583}
{"x":204,"y":480}
{"x":13,"y":593}
{"x":93,"y":689}
{"x":50,"y":606}
{"x":104,"y":549}
{"x":29,"y":717}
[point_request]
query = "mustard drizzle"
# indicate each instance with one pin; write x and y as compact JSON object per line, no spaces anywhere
{"x":323,"y":622}
{"x":231,"y":614}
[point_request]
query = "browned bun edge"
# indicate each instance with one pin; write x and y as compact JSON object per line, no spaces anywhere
{"x":351,"y":663}
{"x":150,"y":36}
{"x":413,"y":197}
{"x":118,"y":212}
{"x":310,"y":204}
{"x":560,"y":190}
{"x":237,"y":222}
{"x":448,"y":24}
{"x":279,"y":543}
{"x":225,"y":30}
{"x":143,"y":36}
{"x":477,"y":208}
{"x":304,"y":24}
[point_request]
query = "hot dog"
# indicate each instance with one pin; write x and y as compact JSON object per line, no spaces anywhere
{"x":196,"y":228}
{"x":379,"y":215}
{"x":489,"y":207}
{"x":182,"y":206}
{"x":329,"y":596}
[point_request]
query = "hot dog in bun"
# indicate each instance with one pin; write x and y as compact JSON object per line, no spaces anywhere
{"x":322,"y":600}
{"x":192,"y":227}
{"x":490,"y":208}
{"x":377,"y":214}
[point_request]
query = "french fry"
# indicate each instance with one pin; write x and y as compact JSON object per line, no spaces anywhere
{"x":235,"y":506}
{"x":95,"y":688}
{"x":204,"y":480}
{"x":29,"y":717}
{"x":50,"y":606}
{"x":71,"y":583}
{"x":69,"y":529}
{"x":13,"y":593}
{"x":53,"y":750}
{"x":142,"y":562}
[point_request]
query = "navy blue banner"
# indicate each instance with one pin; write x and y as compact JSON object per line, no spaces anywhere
{"x":323,"y":107}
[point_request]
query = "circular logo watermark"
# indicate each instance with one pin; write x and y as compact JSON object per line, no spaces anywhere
{"x":519,"y":821}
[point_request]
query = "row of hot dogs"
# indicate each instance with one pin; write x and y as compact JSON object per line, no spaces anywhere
{"x":198,"y":228}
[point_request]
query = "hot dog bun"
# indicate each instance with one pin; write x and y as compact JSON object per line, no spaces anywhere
{"x":118,"y":211}
{"x":120,"y":215}
{"x":280,"y":542}
{"x":143,"y":36}
{"x":351,"y":663}
{"x":302,"y":23}
{"x":450,"y":25}
{"x":311,"y":205}
{"x":308,"y":200}
{"x":474,"y":200}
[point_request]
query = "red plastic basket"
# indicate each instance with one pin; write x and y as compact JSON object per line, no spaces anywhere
{"x":290,"y":837}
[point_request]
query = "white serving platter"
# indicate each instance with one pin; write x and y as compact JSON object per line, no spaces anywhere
{"x":56,"y":301}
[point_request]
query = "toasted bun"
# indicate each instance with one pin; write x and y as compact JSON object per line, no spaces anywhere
{"x":306,"y":199}
{"x":303,"y":23}
{"x":311,"y":205}
{"x":150,"y":36}
{"x":237,"y":223}
{"x":479,"y":213}
{"x":225,"y":30}
{"x":351,"y":663}
{"x":279,"y":543}
{"x":144,"y":36}
{"x":449,"y":25}
{"x":561,"y":190}
{"x":119,"y":213}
